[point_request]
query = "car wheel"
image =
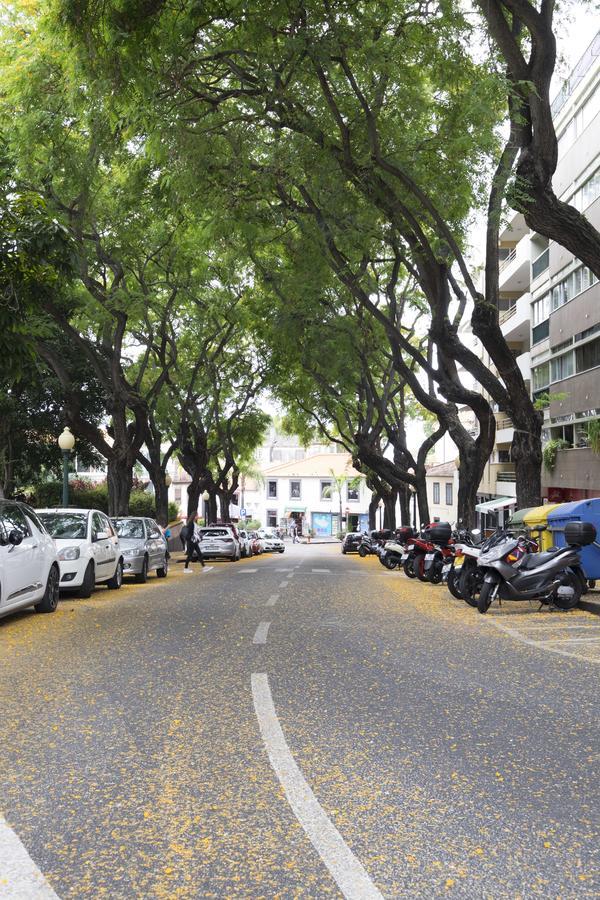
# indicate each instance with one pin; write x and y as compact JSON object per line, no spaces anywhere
{"x":116,"y":581}
{"x":89,"y":582}
{"x":49,"y":601}
{"x":344,"y":550}
{"x":142,"y":577}
{"x":164,"y":570}
{"x":282,"y":550}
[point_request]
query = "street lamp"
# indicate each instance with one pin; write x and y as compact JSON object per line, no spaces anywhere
{"x":168,"y":481}
{"x":206,"y":498}
{"x":66,"y":442}
{"x":380,"y":505}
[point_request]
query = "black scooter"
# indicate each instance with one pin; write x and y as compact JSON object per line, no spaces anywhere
{"x":554,"y":577}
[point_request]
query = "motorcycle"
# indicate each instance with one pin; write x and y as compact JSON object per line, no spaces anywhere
{"x":393,"y":550}
{"x":553,"y":577}
{"x":458,"y":570}
{"x":372,"y":543}
{"x":430,"y":551}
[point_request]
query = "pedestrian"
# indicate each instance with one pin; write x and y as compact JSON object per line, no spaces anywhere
{"x":293,"y":532}
{"x":194,"y":550}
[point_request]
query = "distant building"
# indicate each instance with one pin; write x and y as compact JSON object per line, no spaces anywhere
{"x":442,"y":491}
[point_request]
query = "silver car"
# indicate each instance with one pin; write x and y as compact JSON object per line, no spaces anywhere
{"x":143,"y":547}
{"x":219,"y":541}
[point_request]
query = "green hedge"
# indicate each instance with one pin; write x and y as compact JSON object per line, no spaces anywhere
{"x":87,"y":494}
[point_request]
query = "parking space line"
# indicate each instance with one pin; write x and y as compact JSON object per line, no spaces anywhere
{"x":347,"y":871}
{"x":21,"y":878}
{"x":321,"y":571}
{"x":569,"y":641}
{"x":260,"y":635}
{"x":539,"y":645}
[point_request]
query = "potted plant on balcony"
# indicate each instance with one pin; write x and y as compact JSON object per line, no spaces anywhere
{"x":551,"y":449}
{"x":593,"y":433}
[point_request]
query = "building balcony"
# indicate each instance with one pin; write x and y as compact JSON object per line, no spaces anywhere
{"x":524,"y":364}
{"x":515,"y":270}
{"x":515,"y":322}
{"x":498,"y":478}
{"x":576,"y":469}
{"x":504,"y":430}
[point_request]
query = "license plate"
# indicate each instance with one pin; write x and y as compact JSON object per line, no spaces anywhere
{"x":446,"y":568}
{"x":429,"y":556}
{"x":404,"y":557}
{"x":410,"y":547}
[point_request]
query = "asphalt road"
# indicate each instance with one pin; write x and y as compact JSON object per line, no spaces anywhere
{"x":305,"y":725}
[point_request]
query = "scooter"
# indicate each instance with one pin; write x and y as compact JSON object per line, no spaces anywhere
{"x":394,"y":550}
{"x":553,"y":577}
{"x":372,"y":543}
{"x":457,"y":572}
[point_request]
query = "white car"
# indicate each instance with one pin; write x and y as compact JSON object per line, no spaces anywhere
{"x":88,"y":548}
{"x":273,"y":544}
{"x":29,"y":570}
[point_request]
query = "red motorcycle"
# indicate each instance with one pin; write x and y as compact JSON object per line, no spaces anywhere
{"x":420,"y":551}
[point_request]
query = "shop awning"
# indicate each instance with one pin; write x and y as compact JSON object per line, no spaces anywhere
{"x":295,"y":509}
{"x":497,"y":503}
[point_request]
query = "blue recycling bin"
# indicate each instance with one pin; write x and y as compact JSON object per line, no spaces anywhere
{"x":579,"y":511}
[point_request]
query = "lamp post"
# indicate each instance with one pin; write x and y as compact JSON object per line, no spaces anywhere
{"x":206,"y":498}
{"x":66,"y":442}
{"x":380,"y":505}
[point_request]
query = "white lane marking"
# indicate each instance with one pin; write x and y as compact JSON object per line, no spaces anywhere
{"x":245,"y":571}
{"x":285,"y":570}
{"x":284,"y":584}
{"x":549,"y":627}
{"x":539,"y":645}
{"x":272,"y":600}
{"x":20,"y":878}
{"x":260,"y":635}
{"x":321,"y":571}
{"x":348,"y":872}
{"x":569,"y":641}
{"x":207,"y":569}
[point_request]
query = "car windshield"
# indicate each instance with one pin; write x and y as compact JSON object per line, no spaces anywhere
{"x":215,"y":532}
{"x":65,"y":525}
{"x":129,"y":528}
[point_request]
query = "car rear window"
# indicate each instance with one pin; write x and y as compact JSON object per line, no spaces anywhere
{"x":215,"y":532}
{"x":65,"y":525}
{"x":129,"y":528}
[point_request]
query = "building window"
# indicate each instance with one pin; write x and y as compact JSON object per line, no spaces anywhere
{"x":272,"y":489}
{"x":271,"y":518}
{"x":326,"y":490}
{"x":588,"y":356}
{"x":561,"y":367}
{"x":295,"y":490}
{"x":541,"y":376}
{"x":352,"y":492}
{"x":436,"y":492}
{"x":448,"y":493}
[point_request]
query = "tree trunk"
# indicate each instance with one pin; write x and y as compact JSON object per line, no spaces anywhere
{"x":161,"y":498}
{"x":422,"y":502}
{"x":373,"y":504}
{"x":389,"y":510}
{"x":212,"y":508}
{"x":194,"y":492}
{"x":526,"y":453}
{"x":471,"y":466}
{"x":120,"y":481}
{"x":224,"y":501}
{"x":404,"y":500}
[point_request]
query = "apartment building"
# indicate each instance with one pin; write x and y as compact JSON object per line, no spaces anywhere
{"x":550,"y":305}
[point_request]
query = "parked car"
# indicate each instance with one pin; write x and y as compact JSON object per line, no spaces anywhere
{"x":272,"y":543}
{"x":257,"y":543}
{"x":351,"y":541}
{"x":220,"y":542}
{"x":88,"y":548}
{"x":29,"y":567}
{"x":143,"y":546}
{"x":245,"y":542}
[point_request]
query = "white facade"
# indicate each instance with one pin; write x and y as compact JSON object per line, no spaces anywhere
{"x":305,"y":491}
{"x":442,"y":492}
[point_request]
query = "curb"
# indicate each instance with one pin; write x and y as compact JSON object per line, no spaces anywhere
{"x":592,"y":606}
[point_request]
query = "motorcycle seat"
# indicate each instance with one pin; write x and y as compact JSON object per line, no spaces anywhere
{"x":533,"y":560}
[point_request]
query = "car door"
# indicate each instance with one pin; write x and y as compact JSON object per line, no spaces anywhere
{"x":113,"y":546}
{"x":101,"y":547}
{"x":22,"y":563}
{"x":156,"y":544}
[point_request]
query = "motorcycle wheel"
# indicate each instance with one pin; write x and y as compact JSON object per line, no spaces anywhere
{"x":362,"y":552}
{"x":389,"y":562}
{"x":453,"y":584}
{"x":571,"y":580}
{"x":419,"y":567}
{"x":407,"y":566}
{"x":434,"y":572}
{"x":484,"y":601}
{"x":469,"y":586}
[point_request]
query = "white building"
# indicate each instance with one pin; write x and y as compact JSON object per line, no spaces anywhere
{"x":305,"y":490}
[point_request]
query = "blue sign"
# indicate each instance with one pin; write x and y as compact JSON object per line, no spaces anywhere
{"x":242,"y":513}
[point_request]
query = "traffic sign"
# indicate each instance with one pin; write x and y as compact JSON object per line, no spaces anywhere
{"x":242,"y":513}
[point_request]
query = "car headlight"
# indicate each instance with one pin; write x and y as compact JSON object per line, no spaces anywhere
{"x":69,"y":553}
{"x":131,"y":553}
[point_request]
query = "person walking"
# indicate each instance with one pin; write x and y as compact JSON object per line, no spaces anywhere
{"x":293,"y":532}
{"x":193,"y":542}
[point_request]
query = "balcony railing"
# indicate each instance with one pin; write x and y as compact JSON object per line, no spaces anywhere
{"x":505,"y":476}
{"x":577,"y":75}
{"x":508,"y":259}
{"x":540,"y":263}
{"x":501,"y":424}
{"x":507,"y":314}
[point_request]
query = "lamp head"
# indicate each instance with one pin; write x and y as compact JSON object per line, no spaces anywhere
{"x":206,"y":496}
{"x":66,"y":441}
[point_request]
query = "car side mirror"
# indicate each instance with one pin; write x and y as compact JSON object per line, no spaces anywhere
{"x":101,"y":536}
{"x":15,"y":537}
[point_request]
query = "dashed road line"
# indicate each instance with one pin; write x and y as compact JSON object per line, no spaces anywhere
{"x":348,"y":872}
{"x":272,"y":600}
{"x":20,"y":877}
{"x":260,"y":635}
{"x":321,"y":571}
{"x":284,"y":584}
{"x":245,"y":571}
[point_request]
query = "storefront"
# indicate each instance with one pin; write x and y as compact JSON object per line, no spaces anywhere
{"x":325,"y":524}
